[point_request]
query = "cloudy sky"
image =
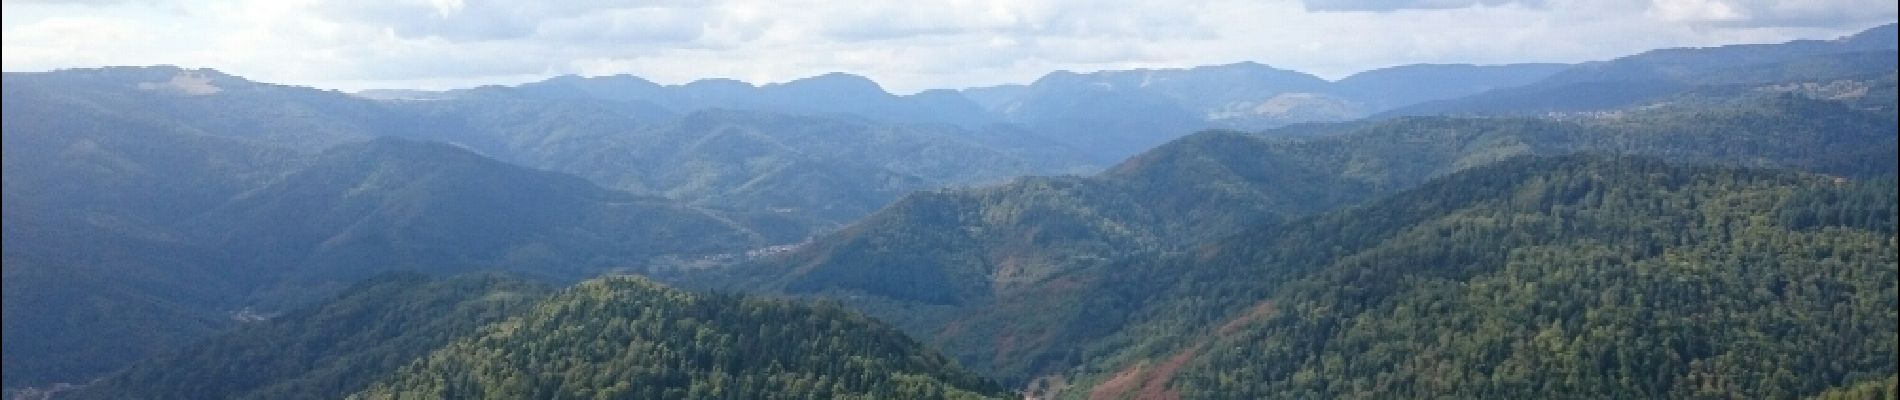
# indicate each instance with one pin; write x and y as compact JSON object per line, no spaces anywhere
{"x":904,"y":45}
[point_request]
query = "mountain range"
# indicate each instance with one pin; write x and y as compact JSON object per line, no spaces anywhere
{"x":1657,"y":74}
{"x":1710,"y":222}
{"x":944,"y":263}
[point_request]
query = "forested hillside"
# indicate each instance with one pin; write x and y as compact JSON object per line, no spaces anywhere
{"x":625,"y":337}
{"x":1575,"y":276}
{"x":495,"y":336}
{"x":330,"y":349}
{"x":993,"y":274}
{"x":826,"y":170}
{"x":358,"y":209}
{"x":1659,"y":74}
{"x":127,"y":235}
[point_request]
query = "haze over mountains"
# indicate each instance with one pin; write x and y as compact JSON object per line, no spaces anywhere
{"x":1074,"y":110}
{"x":1413,"y":231}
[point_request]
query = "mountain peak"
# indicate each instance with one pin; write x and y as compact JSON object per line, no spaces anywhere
{"x":718,"y":83}
{"x":837,"y":76}
{"x":161,"y":69}
{"x":196,"y":81}
{"x":565,"y":78}
{"x":835,"y":81}
{"x":1241,"y":66}
{"x":625,"y":77}
{"x":619,"y":81}
{"x":1058,"y":76}
{"x":1884,"y":36}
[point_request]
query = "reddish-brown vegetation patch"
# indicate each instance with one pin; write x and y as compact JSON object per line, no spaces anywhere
{"x":1145,"y":384}
{"x":1258,"y":311}
{"x":1120,"y":385}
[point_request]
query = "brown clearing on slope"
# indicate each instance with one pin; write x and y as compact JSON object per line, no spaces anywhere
{"x":1154,"y":385}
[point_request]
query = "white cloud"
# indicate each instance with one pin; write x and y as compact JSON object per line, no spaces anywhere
{"x":639,"y":25}
{"x":1765,"y":13}
{"x":68,"y":41}
{"x":68,"y":2}
{"x":1394,"y":5}
{"x":906,"y":46}
{"x":1694,"y":11}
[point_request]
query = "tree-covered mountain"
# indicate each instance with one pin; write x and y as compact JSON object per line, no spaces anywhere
{"x":128,"y":233}
{"x":92,"y":197}
{"x":828,"y":161}
{"x":1578,"y":276}
{"x":1115,"y":114}
{"x":1658,"y":74}
{"x":826,"y":170}
{"x":209,"y":103}
{"x":143,"y":205}
{"x":359,"y":209}
{"x":1106,"y":115}
{"x":627,"y":337}
{"x":1218,"y":95}
{"x":1104,"y":122}
{"x":330,"y":349}
{"x":997,"y":276}
{"x":494,"y":336}
{"x":1028,"y":229}
{"x":1690,"y":64}
{"x":1387,"y":88}
{"x":841,"y":93}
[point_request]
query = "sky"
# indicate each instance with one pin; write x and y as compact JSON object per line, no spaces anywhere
{"x":905,"y":46}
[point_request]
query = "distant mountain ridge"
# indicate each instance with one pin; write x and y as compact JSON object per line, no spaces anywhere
{"x":826,"y":168}
{"x":1107,"y":114}
{"x":823,"y":170}
{"x":1656,"y":74}
{"x":1114,"y":114}
{"x":174,"y":227}
{"x":216,"y":104}
{"x":186,"y":194}
{"x":841,"y":93}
